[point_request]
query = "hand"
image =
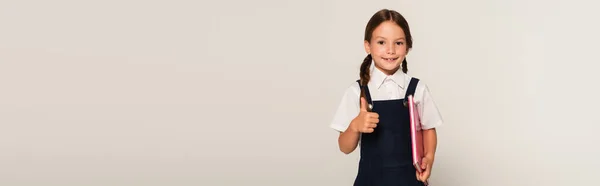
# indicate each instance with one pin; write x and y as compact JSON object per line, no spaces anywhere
{"x":366,"y":121}
{"x":426,"y":164}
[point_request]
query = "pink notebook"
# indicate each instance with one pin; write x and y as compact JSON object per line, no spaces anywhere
{"x":416,"y":134}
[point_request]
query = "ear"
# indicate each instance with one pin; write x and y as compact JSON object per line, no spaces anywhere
{"x":367,"y":47}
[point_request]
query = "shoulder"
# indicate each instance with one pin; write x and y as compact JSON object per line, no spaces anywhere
{"x":347,"y":108}
{"x":352,"y":90}
{"x":428,"y":109}
{"x":421,"y":88}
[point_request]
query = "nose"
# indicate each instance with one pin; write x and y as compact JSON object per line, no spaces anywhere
{"x":391,"y":49}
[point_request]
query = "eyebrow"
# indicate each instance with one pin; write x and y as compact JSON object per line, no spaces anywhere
{"x":402,"y":38}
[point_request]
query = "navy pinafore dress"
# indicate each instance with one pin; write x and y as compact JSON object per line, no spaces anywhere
{"x":385,"y":154}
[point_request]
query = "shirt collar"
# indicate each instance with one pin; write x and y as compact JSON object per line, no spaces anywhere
{"x":378,"y":77}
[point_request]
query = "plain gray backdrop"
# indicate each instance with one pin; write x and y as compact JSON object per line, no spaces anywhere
{"x":242,"y":92}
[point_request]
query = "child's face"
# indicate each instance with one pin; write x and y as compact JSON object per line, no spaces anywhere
{"x":387,"y":47}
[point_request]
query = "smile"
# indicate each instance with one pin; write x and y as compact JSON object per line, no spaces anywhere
{"x":390,"y":59}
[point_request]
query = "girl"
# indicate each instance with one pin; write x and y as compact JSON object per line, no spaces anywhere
{"x":372,"y":109}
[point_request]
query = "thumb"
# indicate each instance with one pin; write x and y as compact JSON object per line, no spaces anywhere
{"x":363,"y":104}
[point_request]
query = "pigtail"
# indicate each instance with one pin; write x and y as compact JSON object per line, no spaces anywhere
{"x":365,"y":75}
{"x":404,"y":67}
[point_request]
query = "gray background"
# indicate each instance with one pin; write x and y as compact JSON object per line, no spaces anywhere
{"x":242,"y":92}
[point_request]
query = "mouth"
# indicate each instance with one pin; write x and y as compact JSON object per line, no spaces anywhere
{"x":390,"y":59}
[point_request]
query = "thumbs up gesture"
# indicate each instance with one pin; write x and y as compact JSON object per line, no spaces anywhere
{"x":366,"y":121}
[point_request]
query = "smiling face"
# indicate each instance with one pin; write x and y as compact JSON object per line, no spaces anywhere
{"x":387,"y":47}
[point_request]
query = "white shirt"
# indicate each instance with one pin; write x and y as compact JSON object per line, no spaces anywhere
{"x":384,"y":87}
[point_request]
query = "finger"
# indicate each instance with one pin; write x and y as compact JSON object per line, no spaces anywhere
{"x":368,"y":130}
{"x":373,"y":115}
{"x":372,"y":126}
{"x":425,"y":175}
{"x":371,"y":121}
{"x":427,"y":172}
{"x":363,"y":104}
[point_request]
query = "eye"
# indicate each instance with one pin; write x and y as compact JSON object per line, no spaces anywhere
{"x":399,"y":43}
{"x":380,"y":42}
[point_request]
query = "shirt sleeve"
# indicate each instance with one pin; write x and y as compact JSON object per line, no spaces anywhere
{"x":428,"y":110}
{"x":348,"y":108}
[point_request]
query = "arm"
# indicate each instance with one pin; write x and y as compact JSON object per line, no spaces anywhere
{"x":430,"y":140}
{"x":348,"y":140}
{"x":352,"y":118}
{"x":366,"y":121}
{"x":431,"y":118}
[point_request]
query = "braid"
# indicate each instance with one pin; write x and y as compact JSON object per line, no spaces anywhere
{"x":364,"y":70}
{"x":404,"y":67}
{"x":365,"y":75}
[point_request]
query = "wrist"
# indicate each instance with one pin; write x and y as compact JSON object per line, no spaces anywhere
{"x":430,"y":156}
{"x":352,"y":127}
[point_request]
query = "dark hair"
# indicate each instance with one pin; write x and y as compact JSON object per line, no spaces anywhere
{"x":378,"y":18}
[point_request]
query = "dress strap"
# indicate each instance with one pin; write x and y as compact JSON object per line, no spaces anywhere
{"x":412,"y":86}
{"x":365,"y":89}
